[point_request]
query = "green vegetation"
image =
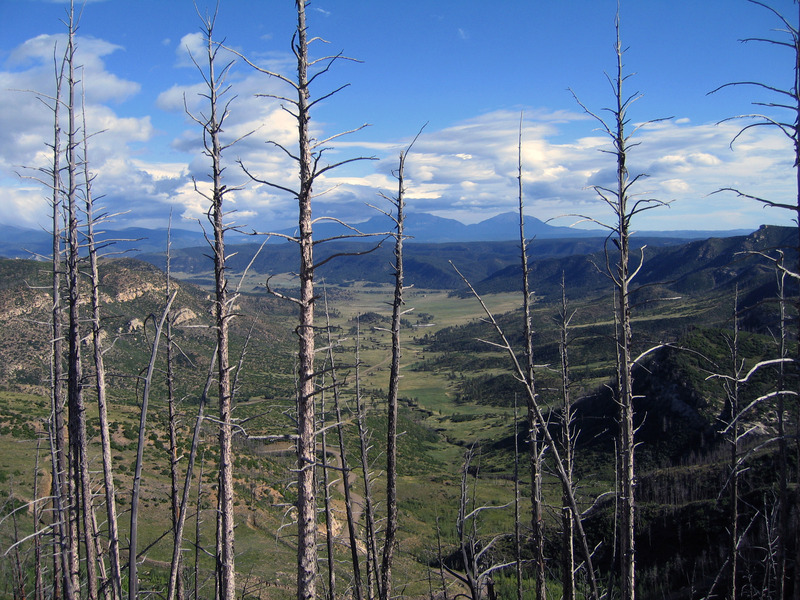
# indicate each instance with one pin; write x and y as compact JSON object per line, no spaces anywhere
{"x":457,"y":392}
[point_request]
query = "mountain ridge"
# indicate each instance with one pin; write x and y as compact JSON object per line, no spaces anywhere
{"x":20,"y":242}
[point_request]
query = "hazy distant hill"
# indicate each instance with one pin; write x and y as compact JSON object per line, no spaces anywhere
{"x":427,"y":265}
{"x":18,"y":242}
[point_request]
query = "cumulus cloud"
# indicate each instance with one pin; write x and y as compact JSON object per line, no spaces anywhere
{"x":27,"y":82}
{"x":466,"y":171}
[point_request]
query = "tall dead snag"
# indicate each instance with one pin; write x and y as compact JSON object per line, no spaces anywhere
{"x":567,"y":439}
{"x":306,"y":441}
{"x":541,"y":423}
{"x":308,"y":159}
{"x":785,"y":99}
{"x":535,"y":448}
{"x":732,"y":386}
{"x":212,"y":123}
{"x":79,"y":463}
{"x":172,"y":422}
{"x":62,"y":582}
{"x":100,"y":377}
{"x":390,"y":532}
{"x":364,"y":448}
{"x":624,"y":207}
{"x":358,"y":587}
{"x":133,"y":576}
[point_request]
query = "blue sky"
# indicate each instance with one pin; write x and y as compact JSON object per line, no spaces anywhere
{"x":467,"y":68}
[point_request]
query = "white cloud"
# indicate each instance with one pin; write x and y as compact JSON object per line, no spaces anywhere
{"x":192,"y":45}
{"x":466,"y":171}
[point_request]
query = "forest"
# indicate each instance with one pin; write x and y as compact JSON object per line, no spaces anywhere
{"x":347,"y":413}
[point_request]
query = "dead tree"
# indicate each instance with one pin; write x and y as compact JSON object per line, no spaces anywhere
{"x":212,"y":124}
{"x":624,"y":207}
{"x":308,"y":159}
{"x":133,"y":576}
{"x":475,"y":554}
{"x":358,"y":586}
{"x":542,"y":424}
{"x":535,"y":448}
{"x":785,"y":101}
{"x":567,"y":448}
{"x":100,"y":376}
{"x":62,"y":582}
{"x":172,"y":419}
{"x":81,"y":499}
{"x":364,"y":448}
{"x":390,"y":531}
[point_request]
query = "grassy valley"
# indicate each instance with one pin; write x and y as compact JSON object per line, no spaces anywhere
{"x":457,"y":393}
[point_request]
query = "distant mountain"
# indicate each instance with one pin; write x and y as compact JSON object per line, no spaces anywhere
{"x":429,"y":228}
{"x":18,"y":242}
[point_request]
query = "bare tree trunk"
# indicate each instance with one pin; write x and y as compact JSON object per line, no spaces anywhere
{"x":133,"y":577}
{"x":369,"y":513}
{"x":62,"y":582}
{"x":358,"y":586}
{"x":535,"y":448}
{"x":225,"y":547}
{"x":621,"y":274}
{"x":100,"y":380}
{"x":212,"y":126}
{"x":307,"y":157}
{"x":77,"y":409}
{"x":306,"y":441}
{"x":624,"y":343}
{"x":172,"y":424}
{"x":567,"y":518}
{"x":178,"y":537}
{"x":390,"y":532}
{"x":326,"y":494}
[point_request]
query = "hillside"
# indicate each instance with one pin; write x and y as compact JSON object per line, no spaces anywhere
{"x":133,"y":293}
{"x":457,"y":392}
{"x":490,"y":265}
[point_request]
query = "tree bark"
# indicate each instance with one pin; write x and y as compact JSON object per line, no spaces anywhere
{"x":306,"y":441}
{"x":133,"y":576}
{"x":100,"y":381}
{"x":369,"y":513}
{"x":567,"y":518}
{"x":535,"y":448}
{"x":390,"y":533}
{"x":62,"y":582}
{"x":358,"y":591}
{"x":75,"y":401}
